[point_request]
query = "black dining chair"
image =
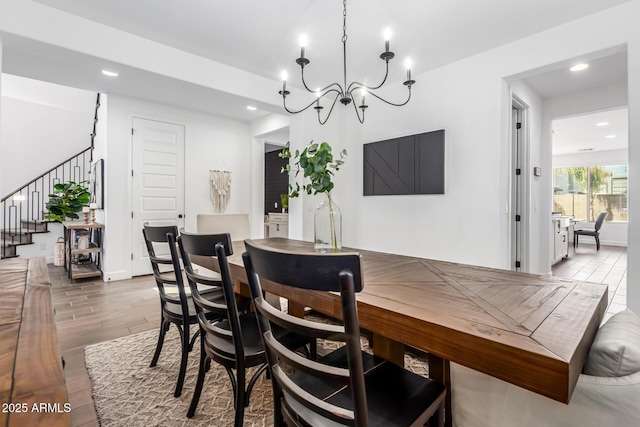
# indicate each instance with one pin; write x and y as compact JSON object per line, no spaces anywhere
{"x":176,"y":305}
{"x":347,"y":386}
{"x":595,"y":231}
{"x":233,"y":339}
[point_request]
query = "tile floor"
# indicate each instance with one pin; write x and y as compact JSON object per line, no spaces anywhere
{"x":608,"y":266}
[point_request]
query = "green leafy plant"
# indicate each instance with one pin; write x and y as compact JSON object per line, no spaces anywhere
{"x":67,"y":200}
{"x":316,"y":162}
{"x":318,"y":166}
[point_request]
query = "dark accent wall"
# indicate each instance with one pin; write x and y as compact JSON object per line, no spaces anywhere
{"x":408,"y":165}
{"x":275,"y":183}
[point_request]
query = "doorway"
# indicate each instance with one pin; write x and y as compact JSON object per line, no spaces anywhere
{"x":157,"y":183}
{"x":519,"y":212}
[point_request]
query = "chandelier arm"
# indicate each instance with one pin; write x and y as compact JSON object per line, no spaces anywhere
{"x":386,"y":74}
{"x":392,"y":103}
{"x":330,"y":110}
{"x":321,"y":90}
{"x":284,"y":102}
{"x":355,"y":108}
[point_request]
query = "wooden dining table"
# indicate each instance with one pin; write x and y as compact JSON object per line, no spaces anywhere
{"x":533,"y":331}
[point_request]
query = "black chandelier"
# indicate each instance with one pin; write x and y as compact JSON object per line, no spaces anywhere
{"x":346,"y":94}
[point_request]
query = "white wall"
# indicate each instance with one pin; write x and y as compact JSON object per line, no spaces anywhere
{"x":1,"y":139}
{"x":471,"y":101}
{"x":210,"y":143}
{"x":51,"y":120}
{"x":633,"y":253}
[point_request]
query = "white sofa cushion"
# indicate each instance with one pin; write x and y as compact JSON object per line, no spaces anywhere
{"x":615,"y":351}
{"x":479,"y":400}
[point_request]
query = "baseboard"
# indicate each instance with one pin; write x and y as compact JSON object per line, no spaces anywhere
{"x":115,"y":276}
{"x":592,"y":242}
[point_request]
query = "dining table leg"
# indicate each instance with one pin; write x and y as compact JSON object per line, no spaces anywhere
{"x":439,"y":371}
{"x":388,"y":349}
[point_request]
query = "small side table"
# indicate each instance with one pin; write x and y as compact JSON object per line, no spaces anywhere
{"x":93,"y":232}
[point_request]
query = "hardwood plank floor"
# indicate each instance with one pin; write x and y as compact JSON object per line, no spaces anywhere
{"x":91,"y":311}
{"x":608,"y":266}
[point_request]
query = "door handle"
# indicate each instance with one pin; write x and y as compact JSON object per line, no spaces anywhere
{"x":180,"y":216}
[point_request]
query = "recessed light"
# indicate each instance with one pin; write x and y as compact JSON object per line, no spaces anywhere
{"x":251,"y":108}
{"x":602,"y":124}
{"x":109,"y":73}
{"x":553,"y":131}
{"x":610,"y":136}
{"x":579,"y":67}
{"x":585,"y":149}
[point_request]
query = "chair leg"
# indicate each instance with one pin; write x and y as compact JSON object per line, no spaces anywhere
{"x":183,"y":361}
{"x":575,"y":240}
{"x":441,"y":415}
{"x":241,"y":400}
{"x":199,"y":383}
{"x":597,"y":242}
{"x":163,"y":331}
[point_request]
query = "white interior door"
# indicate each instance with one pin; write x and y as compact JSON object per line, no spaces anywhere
{"x":158,"y":183}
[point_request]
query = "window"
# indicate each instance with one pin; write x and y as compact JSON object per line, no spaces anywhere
{"x":583,"y":192}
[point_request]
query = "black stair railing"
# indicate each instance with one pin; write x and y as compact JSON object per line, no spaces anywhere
{"x":23,"y":210}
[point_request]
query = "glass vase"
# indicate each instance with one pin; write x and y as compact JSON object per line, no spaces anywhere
{"x":328,"y":226}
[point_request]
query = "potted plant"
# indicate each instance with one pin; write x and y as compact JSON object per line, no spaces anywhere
{"x":318,"y":166}
{"x":67,"y":200}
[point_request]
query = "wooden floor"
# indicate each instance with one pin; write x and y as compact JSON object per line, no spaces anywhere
{"x":91,"y":311}
{"x":608,"y":266}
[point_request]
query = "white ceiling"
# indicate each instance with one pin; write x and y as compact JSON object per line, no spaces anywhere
{"x":581,"y":133}
{"x":262,"y":37}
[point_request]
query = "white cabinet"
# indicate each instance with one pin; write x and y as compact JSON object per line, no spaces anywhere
{"x":560,"y":237}
{"x":277,"y":225}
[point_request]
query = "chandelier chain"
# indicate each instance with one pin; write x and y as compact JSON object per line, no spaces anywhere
{"x":344,"y":22}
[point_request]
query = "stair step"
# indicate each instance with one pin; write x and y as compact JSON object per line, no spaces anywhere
{"x":13,"y":238}
{"x":8,"y":252}
{"x":37,"y":226}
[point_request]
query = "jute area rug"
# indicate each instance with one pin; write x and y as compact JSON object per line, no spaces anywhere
{"x":127,"y":392}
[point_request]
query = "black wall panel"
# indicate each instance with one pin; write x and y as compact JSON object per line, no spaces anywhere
{"x":407,"y":165}
{"x":275,"y":183}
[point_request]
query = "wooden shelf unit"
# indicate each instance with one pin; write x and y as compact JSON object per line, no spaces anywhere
{"x":92,"y":268}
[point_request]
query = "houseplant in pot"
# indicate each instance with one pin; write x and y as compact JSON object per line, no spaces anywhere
{"x":318,"y":166}
{"x":67,"y":200}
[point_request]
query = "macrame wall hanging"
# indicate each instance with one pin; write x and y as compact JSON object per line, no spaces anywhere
{"x":220,"y":189}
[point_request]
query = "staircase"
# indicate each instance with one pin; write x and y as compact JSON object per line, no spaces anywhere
{"x":22,"y":212}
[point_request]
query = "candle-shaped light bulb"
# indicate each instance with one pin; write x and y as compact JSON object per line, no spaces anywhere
{"x":408,"y":64}
{"x":387,"y":37}
{"x":318,"y":94}
{"x":303,"y":44}
{"x":283,"y":76}
{"x":363,"y":92}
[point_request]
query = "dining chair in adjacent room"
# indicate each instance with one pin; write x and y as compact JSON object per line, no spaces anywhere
{"x":233,"y":340}
{"x":176,"y":305}
{"x":595,"y":231}
{"x":347,"y":386}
